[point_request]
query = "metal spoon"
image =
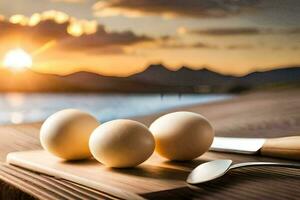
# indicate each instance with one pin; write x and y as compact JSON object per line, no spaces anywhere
{"x":214,"y":169}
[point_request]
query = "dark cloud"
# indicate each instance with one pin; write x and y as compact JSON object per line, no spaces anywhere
{"x":198,"y":45}
{"x":295,"y":48}
{"x":248,"y":31}
{"x":294,"y":30}
{"x":186,"y":8}
{"x":227,"y":31}
{"x":201,"y":45}
{"x":103,"y":39}
{"x":45,"y":31}
{"x":239,"y":46}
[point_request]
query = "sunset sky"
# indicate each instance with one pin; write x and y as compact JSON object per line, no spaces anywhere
{"x":121,"y":37}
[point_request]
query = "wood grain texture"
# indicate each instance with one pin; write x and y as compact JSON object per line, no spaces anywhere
{"x":272,"y":114}
{"x":284,"y":147}
{"x":152,"y":176}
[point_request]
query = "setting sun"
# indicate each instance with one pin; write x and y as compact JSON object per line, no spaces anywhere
{"x":17,"y":59}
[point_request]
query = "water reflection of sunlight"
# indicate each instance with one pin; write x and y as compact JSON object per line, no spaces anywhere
{"x":14,"y":99}
{"x":16,"y":117}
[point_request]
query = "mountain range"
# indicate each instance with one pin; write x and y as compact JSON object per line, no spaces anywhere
{"x":156,"y":78}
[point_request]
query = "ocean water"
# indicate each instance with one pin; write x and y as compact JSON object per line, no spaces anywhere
{"x":18,"y":108}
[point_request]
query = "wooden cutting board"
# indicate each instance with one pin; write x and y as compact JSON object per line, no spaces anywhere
{"x":154,"y":175}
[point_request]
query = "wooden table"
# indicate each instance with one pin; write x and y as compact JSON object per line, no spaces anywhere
{"x":268,"y":114}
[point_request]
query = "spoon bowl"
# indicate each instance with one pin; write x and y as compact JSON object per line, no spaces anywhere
{"x":209,"y":171}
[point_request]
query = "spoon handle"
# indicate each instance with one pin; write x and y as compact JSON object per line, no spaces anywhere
{"x":275,"y":164}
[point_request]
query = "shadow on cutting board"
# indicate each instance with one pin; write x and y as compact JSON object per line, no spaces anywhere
{"x":242,"y":180}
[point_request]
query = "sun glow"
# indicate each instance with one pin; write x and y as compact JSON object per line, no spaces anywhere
{"x":17,"y":59}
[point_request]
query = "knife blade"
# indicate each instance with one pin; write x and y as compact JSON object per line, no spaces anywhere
{"x":283,"y":147}
{"x":237,"y":145}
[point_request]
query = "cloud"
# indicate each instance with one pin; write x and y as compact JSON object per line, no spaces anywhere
{"x":197,"y":45}
{"x":42,"y":32}
{"x":75,"y":27}
{"x":166,"y":8}
{"x":104,"y":39}
{"x":225,"y":31}
{"x":247,"y":31}
{"x":294,"y":48}
{"x":239,"y":46}
{"x":201,"y":45}
{"x":70,"y":34}
{"x":294,"y":30}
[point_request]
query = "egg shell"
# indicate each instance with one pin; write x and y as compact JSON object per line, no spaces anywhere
{"x":66,"y":133}
{"x":182,"y":135}
{"x":121,"y":143}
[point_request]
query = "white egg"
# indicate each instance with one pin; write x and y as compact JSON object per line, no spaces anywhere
{"x":66,"y":134}
{"x":121,"y":143}
{"x":182,"y":135}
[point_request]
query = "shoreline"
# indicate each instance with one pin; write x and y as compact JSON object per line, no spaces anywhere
{"x":21,"y":108}
{"x":206,"y":109}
